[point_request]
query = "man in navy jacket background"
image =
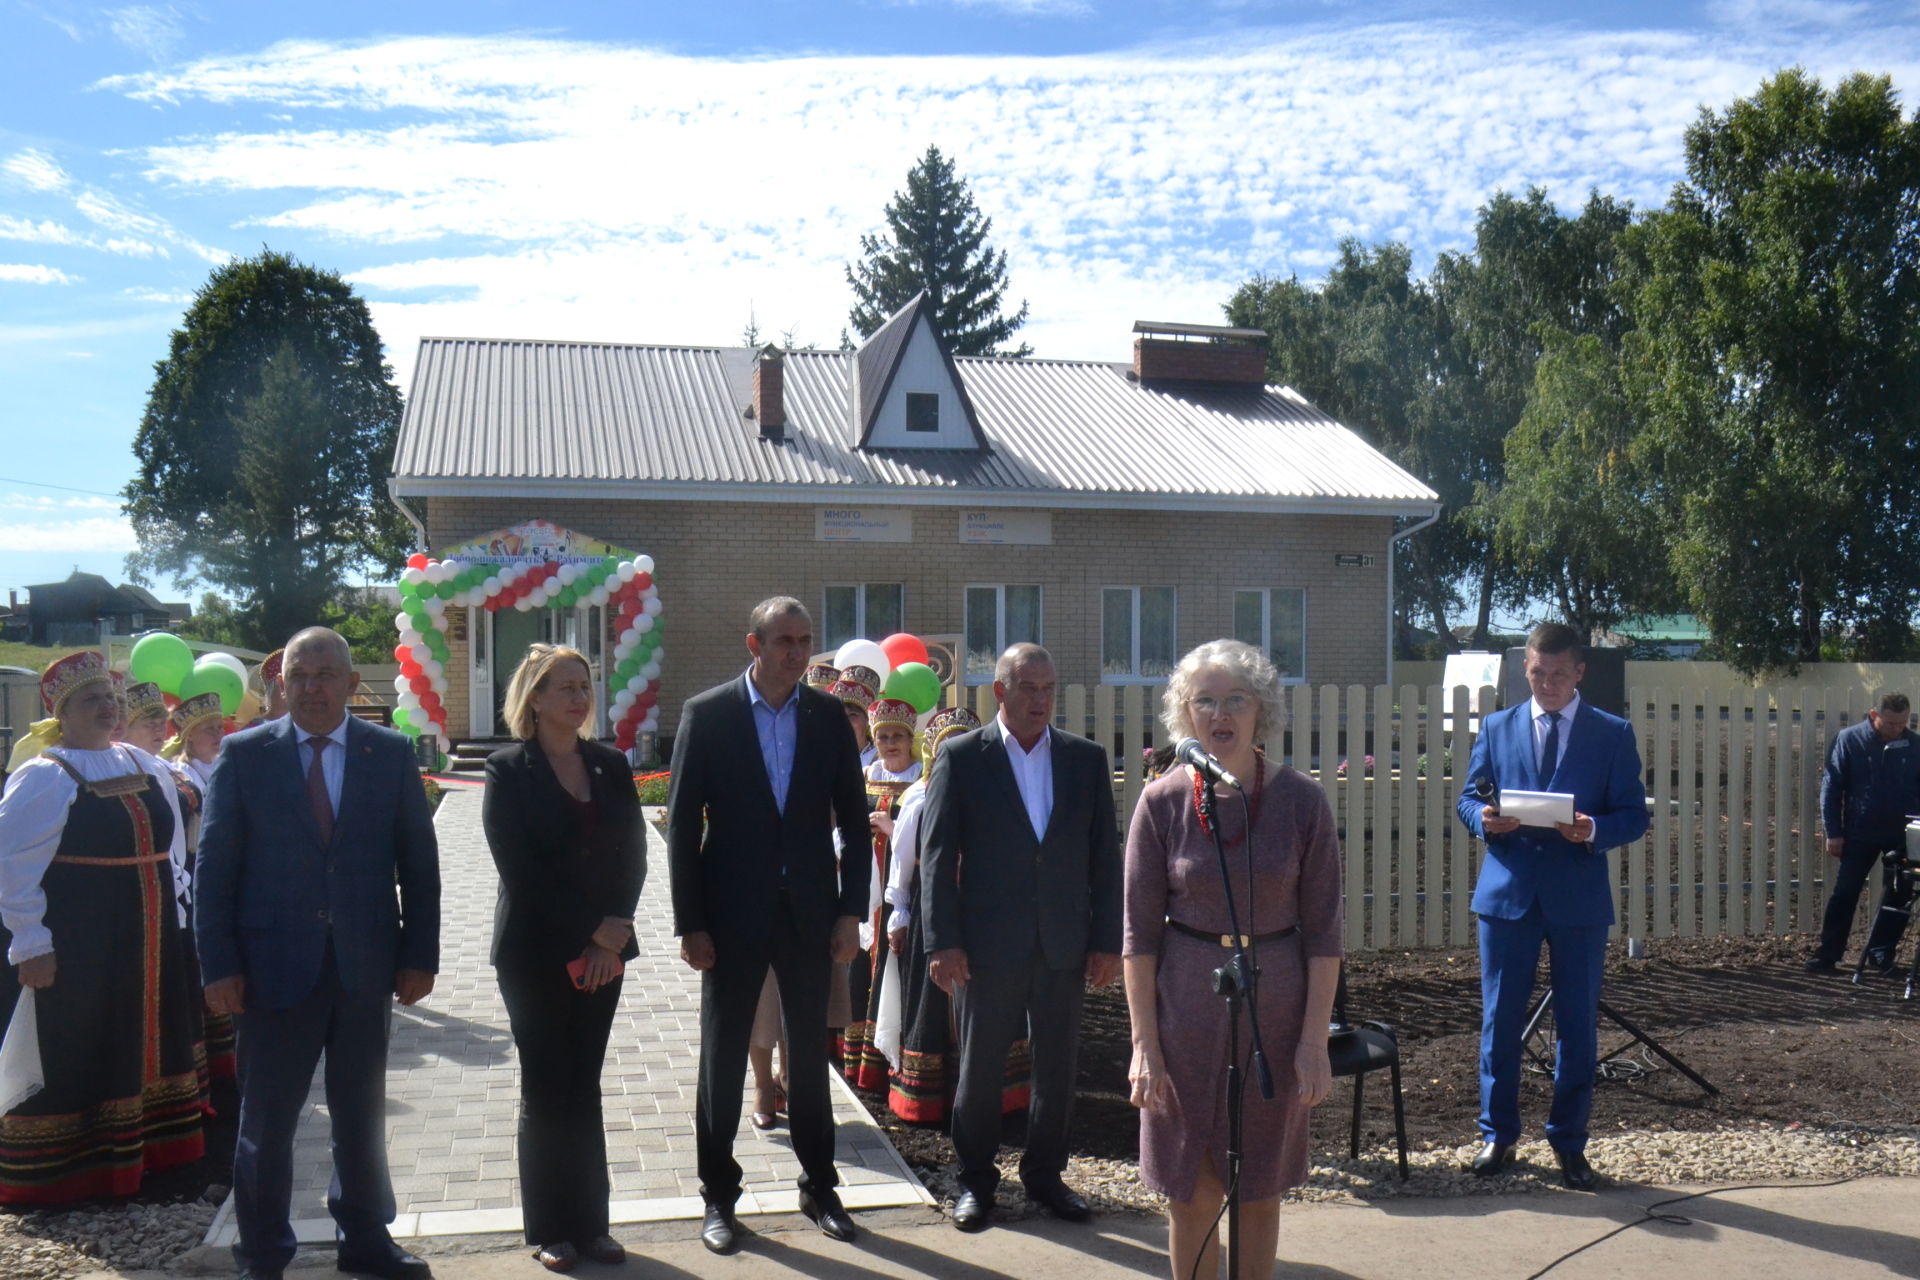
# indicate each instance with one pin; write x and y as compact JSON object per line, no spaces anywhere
{"x":1871,"y":784}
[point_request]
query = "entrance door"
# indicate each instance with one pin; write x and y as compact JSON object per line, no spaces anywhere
{"x":514,"y":632}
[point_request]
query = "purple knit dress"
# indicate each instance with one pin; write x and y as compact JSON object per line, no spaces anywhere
{"x":1174,"y":874}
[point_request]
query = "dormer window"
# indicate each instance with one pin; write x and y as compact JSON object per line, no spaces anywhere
{"x":923,"y":411}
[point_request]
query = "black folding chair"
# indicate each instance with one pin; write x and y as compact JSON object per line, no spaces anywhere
{"x":1356,"y":1050}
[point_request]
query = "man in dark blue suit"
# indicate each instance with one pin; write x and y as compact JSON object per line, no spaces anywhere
{"x":1547,"y":885}
{"x":311,"y":823}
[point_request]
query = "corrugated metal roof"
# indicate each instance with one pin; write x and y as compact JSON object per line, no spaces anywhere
{"x":606,"y":416}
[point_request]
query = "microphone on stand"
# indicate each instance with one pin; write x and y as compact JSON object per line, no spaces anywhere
{"x":1189,"y":751}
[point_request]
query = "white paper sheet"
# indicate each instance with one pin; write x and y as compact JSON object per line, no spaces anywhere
{"x":1537,"y":808}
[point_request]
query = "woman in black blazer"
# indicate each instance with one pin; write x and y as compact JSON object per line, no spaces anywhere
{"x":563,"y":821}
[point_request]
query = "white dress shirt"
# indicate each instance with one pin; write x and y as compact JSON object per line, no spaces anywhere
{"x":1033,"y":773}
{"x":1540,"y":726}
{"x":33,"y":814}
{"x":333,"y":763}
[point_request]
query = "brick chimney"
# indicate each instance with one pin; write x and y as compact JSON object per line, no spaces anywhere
{"x":1199,"y":353}
{"x":769,"y":393}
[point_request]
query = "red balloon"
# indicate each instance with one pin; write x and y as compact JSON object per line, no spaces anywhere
{"x":416,"y":561}
{"x":401,"y":653}
{"x":410,"y":668}
{"x":420,"y":686}
{"x":171,"y":701}
{"x":902,"y":648}
{"x":641,"y":581}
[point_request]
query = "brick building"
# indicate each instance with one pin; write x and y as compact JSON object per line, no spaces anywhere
{"x":1119,"y":514}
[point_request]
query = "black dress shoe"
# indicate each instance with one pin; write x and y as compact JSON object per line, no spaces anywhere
{"x":1820,"y":964}
{"x":258,"y":1273}
{"x":605,"y":1250}
{"x":389,"y":1263}
{"x":1493,"y":1158}
{"x":826,"y":1211}
{"x":970,"y":1211}
{"x":1060,"y":1200}
{"x":718,"y":1231}
{"x":558,"y":1256}
{"x":1575,"y":1172}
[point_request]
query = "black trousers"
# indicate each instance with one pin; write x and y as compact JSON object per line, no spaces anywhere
{"x":561,"y":1033}
{"x":1857,"y":860}
{"x":1000,"y":1003}
{"x":729,"y":995}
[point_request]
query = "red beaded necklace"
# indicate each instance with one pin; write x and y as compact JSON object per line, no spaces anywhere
{"x":1253,"y":814}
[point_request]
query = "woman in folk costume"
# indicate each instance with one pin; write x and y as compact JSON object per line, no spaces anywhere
{"x":91,"y":877}
{"x":199,"y":728}
{"x":273,"y":690}
{"x":856,"y":688}
{"x":896,"y":766}
{"x":145,"y":724}
{"x":916,"y":1033}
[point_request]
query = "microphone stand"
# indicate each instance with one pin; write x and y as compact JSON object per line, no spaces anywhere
{"x":1234,"y":982}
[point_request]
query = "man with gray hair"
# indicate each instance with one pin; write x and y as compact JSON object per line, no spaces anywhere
{"x":1870,"y":785}
{"x":312,"y":823}
{"x":763,"y":769}
{"x":1021,"y":879}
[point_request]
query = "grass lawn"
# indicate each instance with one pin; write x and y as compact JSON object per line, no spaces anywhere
{"x":34,"y":657}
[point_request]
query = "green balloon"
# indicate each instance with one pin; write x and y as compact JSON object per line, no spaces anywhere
{"x":914,"y":683}
{"x":162,"y":659}
{"x":211,"y":677}
{"x":400,"y":718}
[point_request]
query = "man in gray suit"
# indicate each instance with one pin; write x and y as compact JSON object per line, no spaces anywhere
{"x":1021,"y":880}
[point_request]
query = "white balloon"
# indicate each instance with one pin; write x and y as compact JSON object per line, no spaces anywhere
{"x":651,"y":724}
{"x":436,"y":606}
{"x":651,"y":608}
{"x":621,"y":650}
{"x":598,"y":596}
{"x":492,"y":585}
{"x":411,"y":638}
{"x":623,"y":699}
{"x":863,"y":653}
{"x":643,"y":564}
{"x":413,"y":576}
{"x":523,"y":604}
{"x":400,"y":684}
{"x":434,"y":668}
{"x":402,"y":621}
{"x":630,"y":638}
{"x":651,"y":670}
{"x":627,"y":570}
{"x":643,"y":623}
{"x":228,"y":661}
{"x":569,"y":574}
{"x":409,"y":701}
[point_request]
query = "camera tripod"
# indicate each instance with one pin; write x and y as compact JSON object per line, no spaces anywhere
{"x":1543,"y":1059}
{"x":1896,"y":899}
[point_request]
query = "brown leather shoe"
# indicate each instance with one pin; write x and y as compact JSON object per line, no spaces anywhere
{"x":558,"y":1256}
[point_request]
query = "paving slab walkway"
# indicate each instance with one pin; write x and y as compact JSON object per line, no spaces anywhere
{"x":453,"y":1085}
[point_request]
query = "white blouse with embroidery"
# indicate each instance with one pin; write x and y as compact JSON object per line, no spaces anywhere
{"x":33,"y":814}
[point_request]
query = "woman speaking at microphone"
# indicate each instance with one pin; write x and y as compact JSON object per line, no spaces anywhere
{"x":1284,"y":858}
{"x":563,"y":821}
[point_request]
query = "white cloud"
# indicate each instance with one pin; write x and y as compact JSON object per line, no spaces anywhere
{"x":1762,"y":15}
{"x":95,"y":533}
{"x":153,"y":31}
{"x":36,"y":169}
{"x":141,"y":293}
{"x":546,"y":187}
{"x":65,"y":502}
{"x":34,"y":273}
{"x":47,"y":232}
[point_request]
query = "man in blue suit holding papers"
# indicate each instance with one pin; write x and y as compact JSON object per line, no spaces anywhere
{"x":1547,"y":885}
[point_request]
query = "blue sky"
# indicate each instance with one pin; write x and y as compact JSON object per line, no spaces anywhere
{"x":656,"y":172}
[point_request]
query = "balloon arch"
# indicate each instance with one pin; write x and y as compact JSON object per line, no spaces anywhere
{"x":624,"y":586}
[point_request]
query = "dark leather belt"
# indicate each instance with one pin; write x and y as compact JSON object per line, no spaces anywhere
{"x":1226,"y":939}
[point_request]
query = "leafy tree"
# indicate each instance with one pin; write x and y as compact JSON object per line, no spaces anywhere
{"x":936,"y":240}
{"x":1579,"y":512}
{"x":1776,"y":364}
{"x":265,"y":447}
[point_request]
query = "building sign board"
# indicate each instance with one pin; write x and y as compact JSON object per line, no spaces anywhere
{"x":862,"y":524}
{"x":1023,"y":528}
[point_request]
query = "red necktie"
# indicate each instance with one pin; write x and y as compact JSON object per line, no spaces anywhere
{"x":317,"y":789}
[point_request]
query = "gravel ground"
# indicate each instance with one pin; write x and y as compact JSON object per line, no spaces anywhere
{"x":46,"y":1244}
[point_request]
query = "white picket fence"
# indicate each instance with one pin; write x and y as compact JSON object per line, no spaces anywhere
{"x":1735,"y":844}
